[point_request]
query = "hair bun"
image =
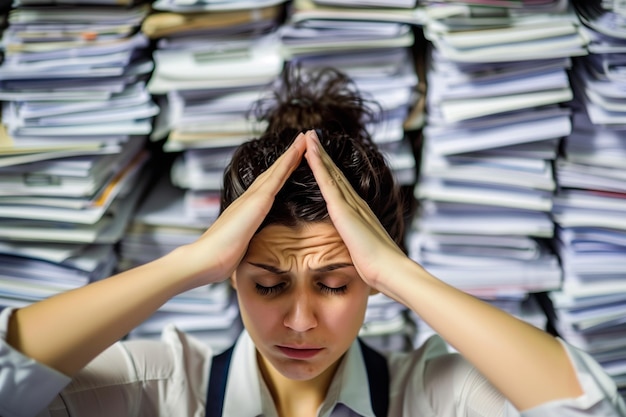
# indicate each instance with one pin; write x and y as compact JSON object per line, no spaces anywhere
{"x":325,"y":99}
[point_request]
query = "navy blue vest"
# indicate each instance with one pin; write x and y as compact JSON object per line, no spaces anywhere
{"x":375,"y":365}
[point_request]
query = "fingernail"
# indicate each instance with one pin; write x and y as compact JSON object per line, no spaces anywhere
{"x":314,"y":133}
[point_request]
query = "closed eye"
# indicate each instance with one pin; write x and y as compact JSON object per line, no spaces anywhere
{"x":268,"y":291}
{"x":333,"y":290}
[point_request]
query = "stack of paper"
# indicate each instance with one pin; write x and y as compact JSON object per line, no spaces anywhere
{"x":404,"y":11}
{"x":385,"y":4}
{"x":75,"y":120}
{"x":200,"y":172}
{"x":160,"y":224}
{"x":387,"y":325}
{"x":482,"y":12}
{"x":33,"y":271}
{"x":212,"y":61}
{"x":466,"y":31}
{"x":373,"y":45}
{"x":590,"y":206}
{"x":73,"y":76}
{"x":497,"y":84}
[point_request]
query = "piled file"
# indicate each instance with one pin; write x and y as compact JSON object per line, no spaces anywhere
{"x":31,"y":271}
{"x":497,"y":89}
{"x":387,"y":325}
{"x":75,"y":120}
{"x":159,"y":225}
{"x":395,"y":11}
{"x":590,"y":206}
{"x":374,"y":44}
{"x":393,"y":6}
{"x":212,"y":61}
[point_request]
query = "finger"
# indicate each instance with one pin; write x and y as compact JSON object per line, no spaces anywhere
{"x":325,"y":180}
{"x":264,"y":188}
{"x":334,"y":177}
{"x":334,"y":185}
{"x":275,"y":176}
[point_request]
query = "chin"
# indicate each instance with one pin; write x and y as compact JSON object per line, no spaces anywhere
{"x":300,"y":372}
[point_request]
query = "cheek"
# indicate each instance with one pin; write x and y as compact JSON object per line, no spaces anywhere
{"x":254,"y":309}
{"x":344,"y":315}
{"x":263,"y":317}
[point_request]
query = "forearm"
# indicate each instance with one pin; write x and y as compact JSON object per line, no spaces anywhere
{"x":527,"y":365}
{"x":68,"y":330}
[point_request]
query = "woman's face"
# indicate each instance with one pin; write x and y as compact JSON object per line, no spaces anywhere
{"x":300,"y":297}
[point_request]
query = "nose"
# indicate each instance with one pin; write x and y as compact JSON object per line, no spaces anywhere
{"x":300,"y":315}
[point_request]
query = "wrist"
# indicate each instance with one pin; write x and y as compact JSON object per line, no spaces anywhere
{"x":191,"y":265}
{"x":404,"y":283}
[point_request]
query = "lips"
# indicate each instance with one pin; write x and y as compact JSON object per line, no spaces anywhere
{"x":299,"y":353}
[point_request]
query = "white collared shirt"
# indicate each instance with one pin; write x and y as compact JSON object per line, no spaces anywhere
{"x":170,"y":377}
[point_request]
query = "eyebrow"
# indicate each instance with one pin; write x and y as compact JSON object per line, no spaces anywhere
{"x":325,"y":268}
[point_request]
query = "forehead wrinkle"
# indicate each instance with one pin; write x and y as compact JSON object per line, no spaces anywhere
{"x":307,"y":246}
{"x":333,"y":267}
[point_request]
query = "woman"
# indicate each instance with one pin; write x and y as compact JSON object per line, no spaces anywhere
{"x":310,"y":228}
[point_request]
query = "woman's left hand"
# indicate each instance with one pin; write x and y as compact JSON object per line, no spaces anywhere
{"x":373,"y":251}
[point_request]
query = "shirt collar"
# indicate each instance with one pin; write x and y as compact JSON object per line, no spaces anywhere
{"x":350,"y":385}
{"x":247,"y":395}
{"x":243,"y":389}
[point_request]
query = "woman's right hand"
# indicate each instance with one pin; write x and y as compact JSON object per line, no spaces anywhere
{"x":216,"y":254}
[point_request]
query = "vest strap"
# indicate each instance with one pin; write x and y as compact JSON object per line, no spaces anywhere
{"x":217,"y":383}
{"x":378,"y":379}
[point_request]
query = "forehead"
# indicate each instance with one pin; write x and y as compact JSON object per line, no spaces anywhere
{"x":314,"y":238}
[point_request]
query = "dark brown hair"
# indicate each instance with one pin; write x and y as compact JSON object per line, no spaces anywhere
{"x":329,"y":102}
